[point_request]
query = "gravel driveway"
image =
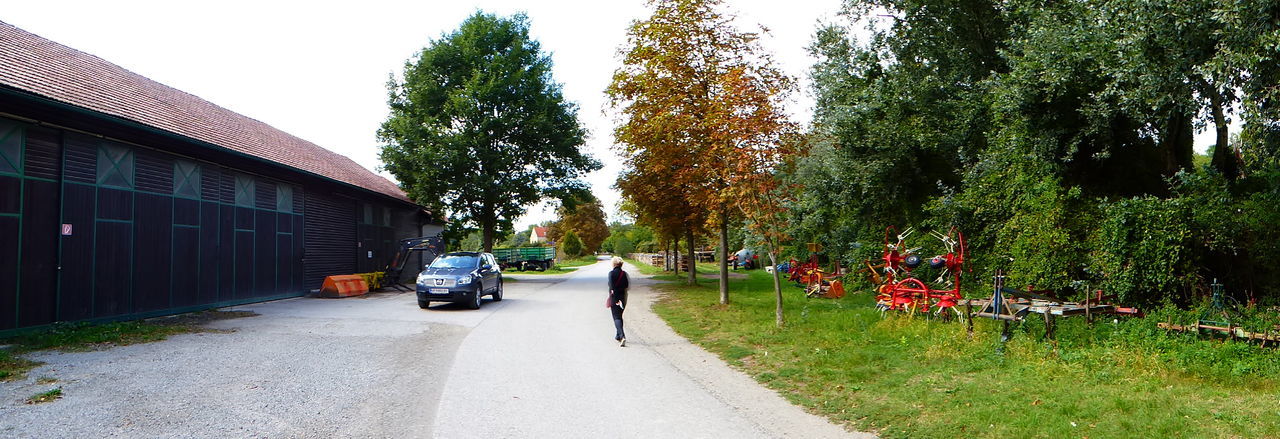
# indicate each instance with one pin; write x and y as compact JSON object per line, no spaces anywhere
{"x":361,"y":367}
{"x":541,"y":363}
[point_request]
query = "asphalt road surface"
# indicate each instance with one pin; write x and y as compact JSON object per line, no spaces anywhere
{"x":540,"y":364}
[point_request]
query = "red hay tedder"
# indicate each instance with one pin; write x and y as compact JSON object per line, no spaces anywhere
{"x":901,"y":288}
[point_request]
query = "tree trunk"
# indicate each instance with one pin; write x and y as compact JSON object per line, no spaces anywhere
{"x":1223,"y":159}
{"x":673,"y":252}
{"x":487,"y":224}
{"x":724,"y":257}
{"x":777,"y":286}
{"x":693,"y":269}
{"x":666,"y":256}
{"x":1177,"y":144}
{"x":488,"y":236}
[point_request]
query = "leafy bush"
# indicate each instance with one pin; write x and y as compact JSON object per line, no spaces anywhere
{"x":1143,"y":249}
{"x":622,"y":246}
{"x":1155,"y":250}
{"x":571,"y":245}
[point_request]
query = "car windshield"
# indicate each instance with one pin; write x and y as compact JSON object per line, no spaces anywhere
{"x":455,"y":261}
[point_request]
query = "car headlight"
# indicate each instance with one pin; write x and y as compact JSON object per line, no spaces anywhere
{"x":464,"y":280}
{"x":422,"y":278}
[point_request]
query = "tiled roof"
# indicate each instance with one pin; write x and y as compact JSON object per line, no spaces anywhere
{"x":540,"y":232}
{"x":36,"y":65}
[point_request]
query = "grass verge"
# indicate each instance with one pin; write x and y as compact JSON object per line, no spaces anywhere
{"x":84,"y":337}
{"x":550,"y":271}
{"x":578,"y":262}
{"x":650,"y":270}
{"x":900,"y":376}
{"x":565,"y":266}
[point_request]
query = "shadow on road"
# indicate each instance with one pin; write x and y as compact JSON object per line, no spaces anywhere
{"x":462,"y":307}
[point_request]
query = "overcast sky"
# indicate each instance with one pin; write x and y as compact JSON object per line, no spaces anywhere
{"x":320,"y":72}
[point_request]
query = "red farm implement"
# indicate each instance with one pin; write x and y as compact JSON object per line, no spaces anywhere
{"x":901,"y":287}
{"x":815,"y":281}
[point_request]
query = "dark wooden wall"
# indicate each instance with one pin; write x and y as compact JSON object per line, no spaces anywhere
{"x":155,"y":233}
{"x":330,"y":226}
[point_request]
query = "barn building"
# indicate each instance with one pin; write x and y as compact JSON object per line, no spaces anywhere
{"x":124,"y":198}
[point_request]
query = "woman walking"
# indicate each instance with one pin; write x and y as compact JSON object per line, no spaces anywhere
{"x":617,"y":302}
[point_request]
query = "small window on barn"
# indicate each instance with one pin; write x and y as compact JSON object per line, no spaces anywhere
{"x":386,"y":216}
{"x":10,"y":147}
{"x":245,"y":191}
{"x":115,"y":165}
{"x":368,"y":214}
{"x":284,"y":198}
{"x":186,"y":179}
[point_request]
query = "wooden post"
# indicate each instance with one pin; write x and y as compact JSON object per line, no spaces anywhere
{"x":1048,"y":324}
{"x":1088,"y":314}
{"x":968,"y":315}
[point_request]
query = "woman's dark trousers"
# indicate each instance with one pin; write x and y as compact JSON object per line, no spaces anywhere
{"x":617,"y":321}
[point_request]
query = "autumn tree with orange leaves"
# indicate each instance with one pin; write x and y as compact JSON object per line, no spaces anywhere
{"x":658,"y":196}
{"x":701,"y":117}
{"x":759,"y":145}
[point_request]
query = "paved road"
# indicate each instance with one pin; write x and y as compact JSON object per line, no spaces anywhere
{"x":546,"y":365}
{"x":541,"y":363}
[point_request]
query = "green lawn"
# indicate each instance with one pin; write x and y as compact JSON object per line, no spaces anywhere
{"x":649,"y":269}
{"x":579,"y":261}
{"x":915,"y":377}
{"x":562,"y":267}
{"x":553,"y":270}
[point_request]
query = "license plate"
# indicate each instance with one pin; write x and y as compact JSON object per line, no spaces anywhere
{"x":439,"y":291}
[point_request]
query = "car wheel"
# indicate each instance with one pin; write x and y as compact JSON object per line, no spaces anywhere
{"x":497,"y":292}
{"x":475,"y":302}
{"x":423,"y":303}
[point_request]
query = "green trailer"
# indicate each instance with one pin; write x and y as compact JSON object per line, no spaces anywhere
{"x":526,"y":258}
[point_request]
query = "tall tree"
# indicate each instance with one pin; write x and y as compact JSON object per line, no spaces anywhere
{"x":765,"y":196}
{"x":656,"y":196}
{"x":478,"y":128}
{"x":901,"y":110}
{"x":693,"y":90}
{"x":1057,"y":135}
{"x":587,"y":220}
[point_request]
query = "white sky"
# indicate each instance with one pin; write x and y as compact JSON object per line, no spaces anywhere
{"x":319,"y":71}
